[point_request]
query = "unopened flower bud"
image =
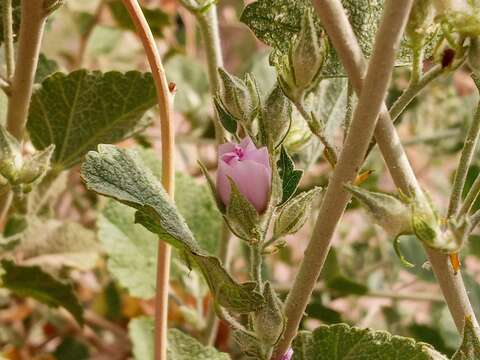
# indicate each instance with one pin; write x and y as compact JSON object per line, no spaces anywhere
{"x":10,"y":155}
{"x":36,"y":166}
{"x":277,"y":117}
{"x":249,"y":168}
{"x":269,"y":322}
{"x":392,"y":214}
{"x":307,"y":53}
{"x":240,"y":98}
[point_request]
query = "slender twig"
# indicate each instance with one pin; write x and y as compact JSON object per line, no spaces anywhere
{"x":432,"y":138}
{"x":165,"y":103}
{"x":330,"y":152}
{"x":341,"y":34}
{"x":381,"y":294}
{"x":416,"y":87}
{"x":32,"y":25}
{"x":351,"y":158}
{"x":208,"y":24}
{"x":8,"y":37}
{"x":475,"y":219}
{"x":464,"y":163}
{"x":471,"y":197}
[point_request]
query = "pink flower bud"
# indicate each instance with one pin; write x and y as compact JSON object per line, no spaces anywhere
{"x":288,"y":355}
{"x":249,"y":168}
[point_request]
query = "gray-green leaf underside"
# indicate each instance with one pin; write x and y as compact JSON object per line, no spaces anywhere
{"x":80,"y":110}
{"x":342,"y":342}
{"x":121,"y":174}
{"x":276,"y":22}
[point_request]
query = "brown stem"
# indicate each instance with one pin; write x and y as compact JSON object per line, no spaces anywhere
{"x":165,"y":103}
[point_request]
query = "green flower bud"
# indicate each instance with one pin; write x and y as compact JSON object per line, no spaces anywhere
{"x":392,"y":214}
{"x":240,"y":98}
{"x":36,"y":166}
{"x":10,"y":156}
{"x":307,"y":53}
{"x":294,"y":213}
{"x":277,"y":117}
{"x":269,"y":321}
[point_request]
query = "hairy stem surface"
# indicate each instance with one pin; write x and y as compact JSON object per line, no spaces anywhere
{"x":8,"y":37}
{"x":351,"y":158}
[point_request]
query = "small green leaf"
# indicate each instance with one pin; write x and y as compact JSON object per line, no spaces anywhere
{"x":242,"y":216}
{"x":33,"y":282}
{"x":121,"y":174}
{"x":294,"y":213}
{"x":289,"y":175}
{"x":341,"y":342}
{"x":470,"y":347}
{"x":228,"y":121}
{"x":156,"y":18}
{"x":80,"y":110}
{"x":180,"y":346}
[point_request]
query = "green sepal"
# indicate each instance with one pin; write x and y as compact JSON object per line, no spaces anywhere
{"x":227,"y":120}
{"x":242,"y":216}
{"x":290,"y":176}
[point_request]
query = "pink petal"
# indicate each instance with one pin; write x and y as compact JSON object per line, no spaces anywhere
{"x":260,"y":156}
{"x":252,"y":179}
{"x":288,"y":355}
{"x":247,"y":144}
{"x":225,"y":148}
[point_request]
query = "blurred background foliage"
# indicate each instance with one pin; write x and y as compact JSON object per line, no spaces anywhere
{"x":363,"y":282}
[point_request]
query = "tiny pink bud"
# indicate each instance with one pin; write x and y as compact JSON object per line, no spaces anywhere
{"x":288,"y":355}
{"x":250,"y":170}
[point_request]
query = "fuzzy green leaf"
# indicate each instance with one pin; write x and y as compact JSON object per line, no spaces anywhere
{"x":289,"y":175}
{"x":276,"y":22}
{"x":341,"y":342}
{"x":80,"y":110}
{"x":180,"y":346}
{"x":33,"y":282}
